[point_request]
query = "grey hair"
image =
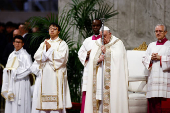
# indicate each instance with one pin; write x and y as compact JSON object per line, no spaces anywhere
{"x":165,"y":28}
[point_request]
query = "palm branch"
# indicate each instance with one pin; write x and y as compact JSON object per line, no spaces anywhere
{"x":84,"y":12}
{"x":43,"y":24}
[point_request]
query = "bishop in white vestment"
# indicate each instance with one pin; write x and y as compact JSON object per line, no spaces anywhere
{"x":52,"y":56}
{"x":157,"y":61}
{"x":115,"y":73}
{"x":16,"y":83}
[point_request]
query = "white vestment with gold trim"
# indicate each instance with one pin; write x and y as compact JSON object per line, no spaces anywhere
{"x":118,"y":82}
{"x":16,"y":83}
{"x":54,"y":94}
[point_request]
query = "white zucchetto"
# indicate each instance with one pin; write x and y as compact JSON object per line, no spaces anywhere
{"x":105,"y":28}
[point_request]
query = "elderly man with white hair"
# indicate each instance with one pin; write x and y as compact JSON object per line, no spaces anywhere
{"x":114,"y":98}
{"x":157,"y":61}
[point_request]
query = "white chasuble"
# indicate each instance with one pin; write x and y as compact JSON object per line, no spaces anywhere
{"x":54,"y":91}
{"x":159,"y":76}
{"x":115,"y":81}
{"x":16,"y":83}
{"x":82,"y":54}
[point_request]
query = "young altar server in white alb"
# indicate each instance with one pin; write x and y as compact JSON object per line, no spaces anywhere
{"x":157,"y":61}
{"x":16,"y":84}
{"x":52,"y":56}
{"x":84,"y":54}
{"x":115,"y":74}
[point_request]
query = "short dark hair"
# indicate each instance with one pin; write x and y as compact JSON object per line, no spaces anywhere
{"x":98,"y":20}
{"x":9,"y":24}
{"x":18,"y":37}
{"x":56,"y":25}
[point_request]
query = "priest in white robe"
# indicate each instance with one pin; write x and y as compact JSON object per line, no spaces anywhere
{"x":16,"y":83}
{"x":157,"y":61}
{"x":115,"y":76}
{"x":52,"y":56}
{"x":84,"y":53}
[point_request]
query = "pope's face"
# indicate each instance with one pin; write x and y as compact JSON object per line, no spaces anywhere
{"x":53,"y":31}
{"x":159,"y":32}
{"x":107,"y":36}
{"x":18,"y":44}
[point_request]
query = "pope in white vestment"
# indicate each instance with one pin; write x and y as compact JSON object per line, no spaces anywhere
{"x":115,"y":73}
{"x":16,"y":83}
{"x":53,"y":94}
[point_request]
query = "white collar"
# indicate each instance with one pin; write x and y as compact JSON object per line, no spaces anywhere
{"x":55,"y":39}
{"x":24,"y":35}
{"x":17,"y":52}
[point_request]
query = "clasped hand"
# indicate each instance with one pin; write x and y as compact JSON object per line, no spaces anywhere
{"x":102,"y":56}
{"x":47,"y":45}
{"x":88,"y":54}
{"x":155,"y":56}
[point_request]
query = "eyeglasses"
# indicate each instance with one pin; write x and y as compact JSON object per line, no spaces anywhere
{"x":53,"y":28}
{"x":159,"y":31}
{"x":17,"y":42}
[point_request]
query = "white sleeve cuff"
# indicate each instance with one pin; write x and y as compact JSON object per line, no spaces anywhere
{"x":48,"y":53}
{"x":44,"y":58}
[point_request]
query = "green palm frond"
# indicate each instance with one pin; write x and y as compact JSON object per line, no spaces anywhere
{"x":83,"y":12}
{"x":106,"y":11}
{"x":44,"y":22}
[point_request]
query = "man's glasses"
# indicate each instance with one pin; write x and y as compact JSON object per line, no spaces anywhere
{"x":18,"y":42}
{"x":53,"y":28}
{"x":156,"y":31}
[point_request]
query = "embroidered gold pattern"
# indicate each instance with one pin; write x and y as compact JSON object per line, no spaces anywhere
{"x":52,"y":109}
{"x":106,"y":91}
{"x":49,"y":109}
{"x":62,"y":86}
{"x":95,"y":68}
{"x":41,"y":91}
{"x":49,"y":98}
{"x":57,"y":89}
